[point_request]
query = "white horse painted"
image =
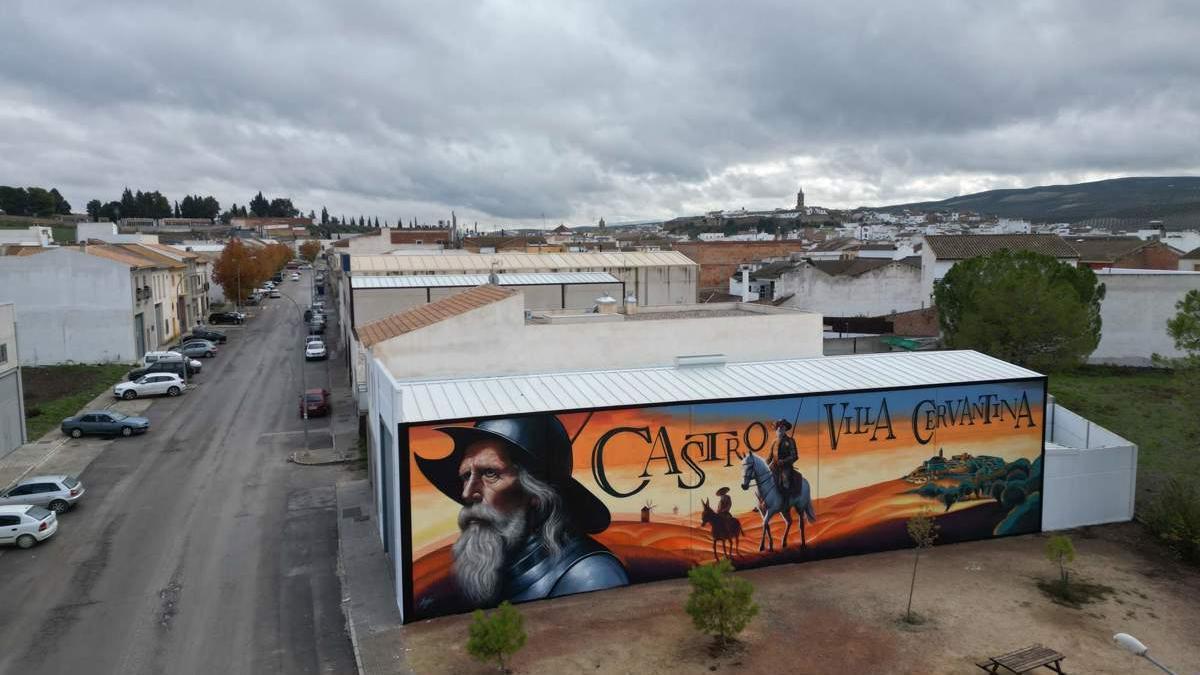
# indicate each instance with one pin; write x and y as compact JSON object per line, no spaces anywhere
{"x":773,"y":501}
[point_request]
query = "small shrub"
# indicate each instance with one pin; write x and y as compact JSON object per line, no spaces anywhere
{"x":720,"y":603}
{"x":1060,"y":550}
{"x":923,"y":531}
{"x":496,"y":637}
{"x":1174,"y":517}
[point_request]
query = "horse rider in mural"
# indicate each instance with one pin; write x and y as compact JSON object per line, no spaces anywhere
{"x":783,"y":456}
{"x":524,"y":520}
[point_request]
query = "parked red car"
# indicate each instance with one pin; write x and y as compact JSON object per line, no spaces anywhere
{"x":316,"y":402}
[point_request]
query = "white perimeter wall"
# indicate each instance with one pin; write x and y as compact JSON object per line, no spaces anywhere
{"x":71,"y":307}
{"x":494,"y":340}
{"x":1135,"y":312}
{"x":893,"y":288}
{"x":1089,"y":481}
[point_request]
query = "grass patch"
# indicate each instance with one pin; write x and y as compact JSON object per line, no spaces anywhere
{"x":1157,"y":409}
{"x":1074,"y":595}
{"x":55,"y":392}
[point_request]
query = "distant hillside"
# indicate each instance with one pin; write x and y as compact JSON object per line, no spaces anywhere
{"x":1175,"y":199}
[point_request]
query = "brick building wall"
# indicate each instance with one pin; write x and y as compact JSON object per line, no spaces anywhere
{"x":718,"y":260}
{"x":916,"y":323}
{"x":1156,"y":256}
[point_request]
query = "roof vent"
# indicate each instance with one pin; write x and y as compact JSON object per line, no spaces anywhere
{"x":700,"y":360}
{"x":606,"y":304}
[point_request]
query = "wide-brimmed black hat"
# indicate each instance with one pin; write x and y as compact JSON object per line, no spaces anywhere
{"x":722,"y":492}
{"x":540,"y":445}
{"x":783,"y":423}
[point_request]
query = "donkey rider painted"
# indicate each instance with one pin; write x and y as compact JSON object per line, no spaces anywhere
{"x":783,"y":456}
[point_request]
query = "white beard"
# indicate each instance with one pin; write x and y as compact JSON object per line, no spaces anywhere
{"x":479,"y":553}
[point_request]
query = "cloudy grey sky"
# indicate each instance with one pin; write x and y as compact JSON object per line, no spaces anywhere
{"x":508,"y":110}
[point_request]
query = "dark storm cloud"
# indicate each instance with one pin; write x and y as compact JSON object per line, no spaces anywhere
{"x":508,"y":111}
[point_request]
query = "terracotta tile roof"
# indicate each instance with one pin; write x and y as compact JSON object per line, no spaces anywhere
{"x":1193,"y":254}
{"x":21,"y":250}
{"x":120,"y":255}
{"x":427,"y":315}
{"x":1106,"y":249}
{"x":963,"y":246}
{"x":171,"y":251}
{"x":857,"y":266}
{"x":159,"y":258}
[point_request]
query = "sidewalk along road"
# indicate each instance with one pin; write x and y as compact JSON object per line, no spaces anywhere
{"x":198,"y":548}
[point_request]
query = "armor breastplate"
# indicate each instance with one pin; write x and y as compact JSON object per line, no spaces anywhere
{"x":582,"y":565}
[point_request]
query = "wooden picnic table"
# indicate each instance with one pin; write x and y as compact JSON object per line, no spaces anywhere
{"x":1024,"y":660}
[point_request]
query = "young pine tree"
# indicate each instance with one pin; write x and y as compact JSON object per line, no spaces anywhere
{"x":720,"y":603}
{"x":496,"y":637}
{"x":1061,"y":551}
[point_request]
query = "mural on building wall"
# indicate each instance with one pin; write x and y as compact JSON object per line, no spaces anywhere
{"x":546,"y":505}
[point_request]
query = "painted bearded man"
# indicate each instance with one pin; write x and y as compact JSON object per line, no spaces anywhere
{"x":524,"y":520}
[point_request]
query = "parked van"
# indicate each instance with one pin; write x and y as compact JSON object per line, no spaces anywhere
{"x":152,"y":357}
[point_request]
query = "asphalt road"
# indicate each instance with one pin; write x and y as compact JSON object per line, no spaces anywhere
{"x":198,"y":548}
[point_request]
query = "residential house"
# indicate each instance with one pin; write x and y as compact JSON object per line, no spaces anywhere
{"x":12,"y":405}
{"x":940,"y":252}
{"x":1190,"y":261}
{"x":94,"y":303}
{"x":852,"y":288}
{"x":1125,"y":252}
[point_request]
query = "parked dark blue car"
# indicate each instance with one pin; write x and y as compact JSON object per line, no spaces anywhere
{"x":104,"y":423}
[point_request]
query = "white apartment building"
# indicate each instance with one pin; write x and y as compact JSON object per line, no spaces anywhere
{"x":99,"y":305}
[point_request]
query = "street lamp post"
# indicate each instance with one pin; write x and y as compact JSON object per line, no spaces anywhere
{"x":1135,"y":646}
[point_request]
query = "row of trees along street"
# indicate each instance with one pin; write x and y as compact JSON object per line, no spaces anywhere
{"x":240,"y":269}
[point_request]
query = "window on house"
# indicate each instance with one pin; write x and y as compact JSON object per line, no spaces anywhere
{"x":4,"y":353}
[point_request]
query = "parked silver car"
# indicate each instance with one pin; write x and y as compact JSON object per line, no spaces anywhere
{"x":57,"y":493}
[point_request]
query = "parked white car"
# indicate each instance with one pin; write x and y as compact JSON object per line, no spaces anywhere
{"x":315,"y":350}
{"x":295,"y":276}
{"x":26,"y":524}
{"x":154,"y":384}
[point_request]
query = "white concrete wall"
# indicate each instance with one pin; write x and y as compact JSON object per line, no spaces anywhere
{"x":72,"y":307}
{"x":8,"y":336}
{"x":373,"y":304}
{"x":1136,"y":306}
{"x":1090,"y":473}
{"x":1189,"y":264}
{"x":383,"y":411}
{"x":893,"y":288}
{"x":108,"y":232}
{"x":495,"y":340}
{"x":36,"y":235}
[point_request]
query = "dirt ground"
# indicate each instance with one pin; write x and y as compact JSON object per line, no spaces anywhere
{"x":842,"y":616}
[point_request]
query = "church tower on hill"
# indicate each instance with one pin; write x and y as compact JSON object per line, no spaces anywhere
{"x":799,"y":198}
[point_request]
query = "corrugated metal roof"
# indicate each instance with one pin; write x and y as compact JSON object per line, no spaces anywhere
{"x":482,"y":263}
{"x":522,"y":394}
{"x":454,"y":280}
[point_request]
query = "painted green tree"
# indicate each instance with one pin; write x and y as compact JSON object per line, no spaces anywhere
{"x":720,"y":603}
{"x":1023,"y":307}
{"x":498,"y":636}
